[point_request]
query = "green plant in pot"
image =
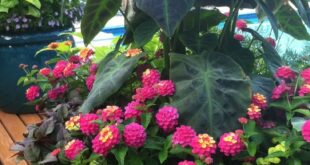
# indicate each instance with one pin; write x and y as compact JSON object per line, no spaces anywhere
{"x":26,"y":27}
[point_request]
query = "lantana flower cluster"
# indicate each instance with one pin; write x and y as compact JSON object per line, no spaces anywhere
{"x":52,"y":84}
{"x":114,"y":126}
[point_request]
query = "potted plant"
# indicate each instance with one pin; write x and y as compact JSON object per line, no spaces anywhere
{"x":26,"y":27}
{"x":181,"y":91}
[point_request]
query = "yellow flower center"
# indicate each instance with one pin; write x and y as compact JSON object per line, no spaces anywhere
{"x":260,"y":98}
{"x":254,"y":108}
{"x":69,"y":144}
{"x":205,"y":140}
{"x":110,"y":110}
{"x":105,"y":134}
{"x":307,"y":86}
{"x":146,"y":72}
{"x":230,"y":138}
{"x":73,"y":124}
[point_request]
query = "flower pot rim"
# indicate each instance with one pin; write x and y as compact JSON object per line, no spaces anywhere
{"x":32,"y":38}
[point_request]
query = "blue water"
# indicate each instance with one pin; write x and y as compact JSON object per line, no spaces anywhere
{"x":284,"y":41}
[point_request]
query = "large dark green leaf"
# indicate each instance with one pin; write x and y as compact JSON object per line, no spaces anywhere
{"x":230,"y":46}
{"x":144,"y":32}
{"x":271,"y":17}
{"x":227,"y":34}
{"x":262,"y":85}
{"x":199,"y":43}
{"x":96,"y":15}
{"x":243,"y":56}
{"x":212,"y":91}
{"x":303,"y":10}
{"x":134,"y":18}
{"x":208,"y":19}
{"x":270,"y":55}
{"x":109,"y":79}
{"x":291,"y":23}
{"x":167,"y":13}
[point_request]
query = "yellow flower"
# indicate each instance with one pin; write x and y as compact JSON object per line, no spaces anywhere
{"x":73,"y":124}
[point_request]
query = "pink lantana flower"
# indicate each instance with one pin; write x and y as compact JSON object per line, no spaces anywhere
{"x":286,"y":73}
{"x":167,"y":118}
{"x":183,"y":136}
{"x":73,"y":149}
{"x":231,"y":144}
{"x":305,"y":74}
{"x":305,"y":131}
{"x":32,"y":93}
{"x":241,"y":24}
{"x":280,"y":90}
{"x":239,"y":37}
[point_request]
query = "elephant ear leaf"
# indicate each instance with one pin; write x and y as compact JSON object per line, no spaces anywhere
{"x":212,"y":91}
{"x":109,"y":80}
{"x":168,"y":14}
{"x":270,"y":55}
{"x":96,"y":14}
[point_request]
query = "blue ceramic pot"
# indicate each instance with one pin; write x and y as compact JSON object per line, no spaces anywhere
{"x":17,"y":49}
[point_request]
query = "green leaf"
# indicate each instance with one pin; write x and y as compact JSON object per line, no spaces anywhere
{"x":298,"y":122}
{"x":163,"y":154}
{"x":211,"y":91}
{"x":293,"y":104}
{"x":178,"y":150}
{"x":120,"y":154}
{"x":96,"y":15}
{"x":303,"y":10}
{"x":291,"y":23}
{"x":199,"y":162}
{"x":262,"y":85}
{"x":154,"y":143}
{"x":146,"y":119}
{"x":33,"y":11}
{"x":36,"y":3}
{"x":271,"y":17}
{"x":109,"y":79}
{"x":293,"y":161}
{"x":144,"y":32}
{"x":249,"y":128}
{"x":4,"y":9}
{"x":199,"y":43}
{"x":32,"y":152}
{"x":168,"y":14}
{"x":62,"y":158}
{"x":46,"y":128}
{"x":9,"y":3}
{"x":305,"y":112}
{"x":21,"y":80}
{"x":270,"y":55}
{"x":252,"y":147}
{"x":133,"y":158}
{"x":208,"y":19}
{"x":243,"y":56}
{"x":276,"y":154}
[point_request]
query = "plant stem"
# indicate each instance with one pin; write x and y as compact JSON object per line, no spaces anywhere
{"x":167,"y":45}
{"x":250,"y":44}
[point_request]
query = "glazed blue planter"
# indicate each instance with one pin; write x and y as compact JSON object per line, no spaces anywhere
{"x":17,"y":49}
